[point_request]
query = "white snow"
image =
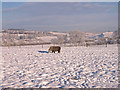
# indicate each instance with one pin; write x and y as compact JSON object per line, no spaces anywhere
{"x":47,"y":38}
{"x":76,"y":67}
{"x":108,"y":34}
{"x":58,"y":33}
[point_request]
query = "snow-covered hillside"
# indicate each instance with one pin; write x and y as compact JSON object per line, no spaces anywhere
{"x":108,"y":34}
{"x":58,"y":33}
{"x":74,"y":67}
{"x":47,"y":38}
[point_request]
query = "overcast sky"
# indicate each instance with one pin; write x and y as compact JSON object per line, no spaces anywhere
{"x":61,"y":16}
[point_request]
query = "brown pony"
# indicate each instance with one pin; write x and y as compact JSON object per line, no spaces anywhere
{"x":54,"y":49}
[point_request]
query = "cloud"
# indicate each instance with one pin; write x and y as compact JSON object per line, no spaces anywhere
{"x":61,"y":1}
{"x":62,"y":7}
{"x":62,"y":16}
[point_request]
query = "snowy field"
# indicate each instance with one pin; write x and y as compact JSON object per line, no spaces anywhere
{"x":74,"y":67}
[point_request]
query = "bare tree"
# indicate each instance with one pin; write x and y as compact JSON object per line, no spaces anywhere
{"x":77,"y":37}
{"x":61,"y":39}
{"x":54,"y":41}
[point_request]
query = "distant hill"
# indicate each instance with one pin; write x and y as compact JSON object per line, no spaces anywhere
{"x":23,"y":37}
{"x":105,"y":34}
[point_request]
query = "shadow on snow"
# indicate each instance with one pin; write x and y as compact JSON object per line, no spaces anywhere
{"x":43,"y":51}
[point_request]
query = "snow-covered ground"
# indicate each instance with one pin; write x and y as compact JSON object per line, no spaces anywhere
{"x":74,"y":67}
